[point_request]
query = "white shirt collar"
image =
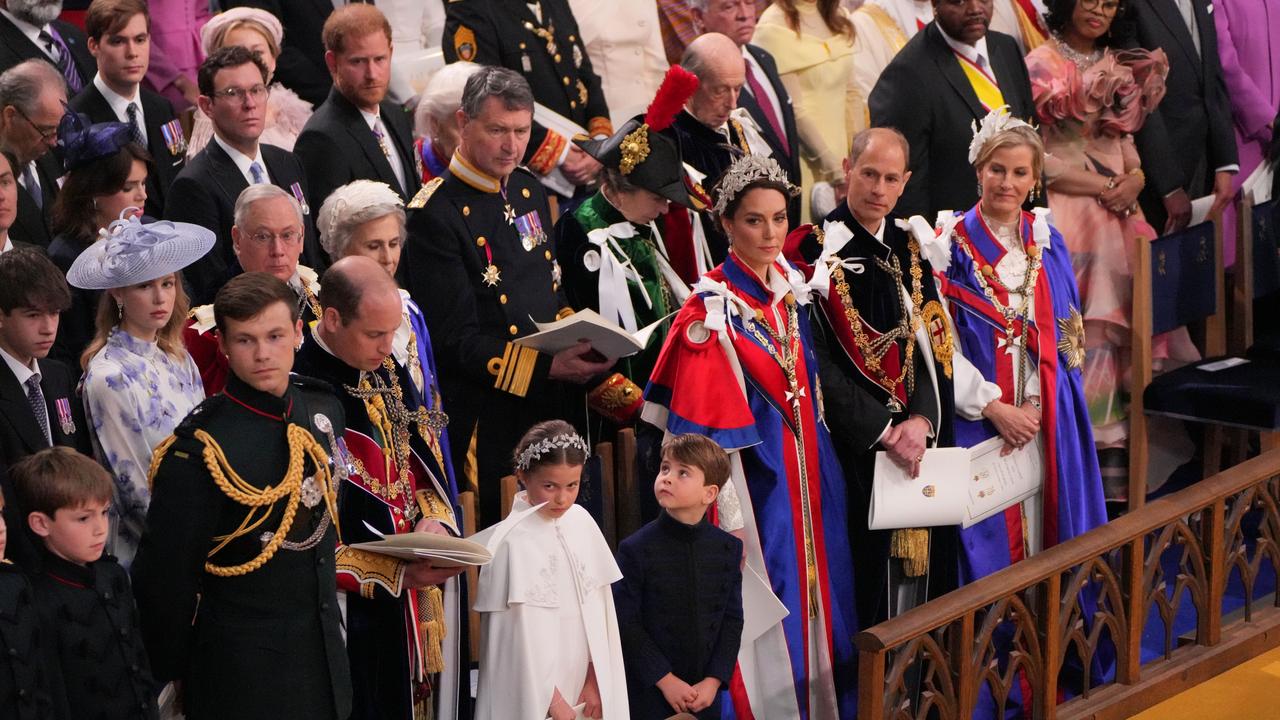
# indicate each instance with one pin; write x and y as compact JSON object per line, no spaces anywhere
{"x":370,"y":117}
{"x":976,"y":53}
{"x":31,"y":31}
{"x":878,"y":233}
{"x":242,"y":161}
{"x":20,"y":371}
{"x":8,"y":244}
{"x":119,"y":103}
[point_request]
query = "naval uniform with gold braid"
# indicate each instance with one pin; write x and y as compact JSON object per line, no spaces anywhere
{"x":547,"y":49}
{"x":876,"y":373}
{"x":235,"y":577}
{"x":395,"y":477}
{"x":480,"y":264}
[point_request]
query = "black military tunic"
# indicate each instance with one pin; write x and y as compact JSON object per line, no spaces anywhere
{"x":480,"y":264}
{"x":264,"y":643}
{"x":25,"y":658}
{"x":547,"y":50}
{"x":710,"y":152}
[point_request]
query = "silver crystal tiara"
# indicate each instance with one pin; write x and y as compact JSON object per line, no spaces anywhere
{"x":743,"y":172}
{"x":564,"y":441}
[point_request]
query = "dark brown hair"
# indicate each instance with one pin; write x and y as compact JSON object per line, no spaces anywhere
{"x":245,"y":296}
{"x":76,"y":209}
{"x":57,"y":478}
{"x":231,"y":56}
{"x":353,"y":21}
{"x":108,"y":16}
{"x":29,"y":279}
{"x":701,"y":452}
{"x":556,"y":456}
{"x":830,"y":10}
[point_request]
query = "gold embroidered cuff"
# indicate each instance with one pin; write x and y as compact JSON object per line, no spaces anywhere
{"x":513,"y":371}
{"x":617,"y":398}
{"x":598,"y":126}
{"x":564,"y":313}
{"x":548,"y":154}
{"x":435,"y":508}
{"x":371,"y":569}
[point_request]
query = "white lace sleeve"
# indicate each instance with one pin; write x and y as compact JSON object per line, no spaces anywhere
{"x":730,"y":508}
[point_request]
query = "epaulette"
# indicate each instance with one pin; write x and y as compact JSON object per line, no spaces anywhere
{"x":424,"y":194}
{"x":306,"y":382}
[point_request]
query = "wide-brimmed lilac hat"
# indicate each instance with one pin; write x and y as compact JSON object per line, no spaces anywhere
{"x":128,"y":252}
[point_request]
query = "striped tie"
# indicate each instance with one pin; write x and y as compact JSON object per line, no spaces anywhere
{"x":984,"y":85}
{"x":62,"y":59}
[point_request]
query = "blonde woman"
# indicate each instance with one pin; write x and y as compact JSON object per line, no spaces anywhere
{"x":139,"y":381}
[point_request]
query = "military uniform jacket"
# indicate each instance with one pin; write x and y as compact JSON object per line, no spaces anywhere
{"x":89,"y":620}
{"x":26,"y":667}
{"x":547,"y":51}
{"x":266,"y":643}
{"x":482,"y":268}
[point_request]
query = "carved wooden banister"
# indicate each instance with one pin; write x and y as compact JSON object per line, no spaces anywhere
{"x":1010,"y":635}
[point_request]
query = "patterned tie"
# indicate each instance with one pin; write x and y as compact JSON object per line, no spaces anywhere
{"x":259,"y":177}
{"x":762,"y":99}
{"x":35,"y":397}
{"x":32,"y":184}
{"x":386,"y":151}
{"x":135,"y":130}
{"x":62,"y":59}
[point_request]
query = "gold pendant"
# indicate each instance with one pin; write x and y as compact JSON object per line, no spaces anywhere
{"x":491,"y":276}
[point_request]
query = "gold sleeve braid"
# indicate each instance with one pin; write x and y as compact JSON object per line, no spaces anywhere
{"x":371,"y":569}
{"x":434,"y":508}
{"x":513,"y":372}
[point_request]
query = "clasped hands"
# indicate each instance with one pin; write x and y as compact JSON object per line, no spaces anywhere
{"x":686,"y":698}
{"x":589,"y":699}
{"x":1017,"y":424}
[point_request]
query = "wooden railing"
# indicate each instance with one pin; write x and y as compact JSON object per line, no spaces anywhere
{"x":1029,"y":632}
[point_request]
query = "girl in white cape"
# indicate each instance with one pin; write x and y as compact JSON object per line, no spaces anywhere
{"x":551,"y":643}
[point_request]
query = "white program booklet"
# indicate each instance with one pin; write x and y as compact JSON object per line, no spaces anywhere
{"x":998,"y":482}
{"x":606,"y":337}
{"x":936,"y":497}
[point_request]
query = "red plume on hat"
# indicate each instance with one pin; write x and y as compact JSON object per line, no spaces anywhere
{"x":676,"y":88}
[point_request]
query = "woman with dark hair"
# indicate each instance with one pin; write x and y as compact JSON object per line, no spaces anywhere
{"x":8,"y":197}
{"x":738,"y":366}
{"x":1090,"y":99}
{"x":106,"y":175}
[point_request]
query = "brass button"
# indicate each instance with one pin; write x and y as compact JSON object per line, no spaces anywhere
{"x":565,"y":79}
{"x":514,"y":330}
{"x":572,"y":38}
{"x":524,"y":192}
{"x":480,"y":241}
{"x":547,"y":254}
{"x":466,"y":210}
{"x":502,"y":298}
{"x":522,"y":46}
{"x":557,"y":57}
{"x":573,"y":104}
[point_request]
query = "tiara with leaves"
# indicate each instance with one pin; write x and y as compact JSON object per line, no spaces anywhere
{"x":564,"y":441}
{"x":745,"y":171}
{"x":996,"y":122}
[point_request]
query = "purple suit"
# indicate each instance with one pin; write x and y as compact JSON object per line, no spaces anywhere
{"x":1247,"y":33}
{"x":175,"y":45}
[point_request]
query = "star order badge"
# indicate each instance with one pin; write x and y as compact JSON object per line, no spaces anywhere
{"x":491,"y":275}
{"x":1071,"y":339}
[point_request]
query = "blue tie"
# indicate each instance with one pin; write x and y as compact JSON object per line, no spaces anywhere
{"x":35,"y":397}
{"x":259,"y":177}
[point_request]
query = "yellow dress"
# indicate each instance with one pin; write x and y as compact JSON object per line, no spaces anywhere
{"x":816,"y":67}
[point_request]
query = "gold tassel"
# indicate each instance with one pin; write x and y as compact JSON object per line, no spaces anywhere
{"x":431,"y":628}
{"x":912,"y":546}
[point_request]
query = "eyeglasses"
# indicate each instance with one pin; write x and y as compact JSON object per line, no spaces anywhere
{"x":288,"y":237}
{"x":47,"y":133}
{"x":257,"y":92}
{"x":1106,"y":7}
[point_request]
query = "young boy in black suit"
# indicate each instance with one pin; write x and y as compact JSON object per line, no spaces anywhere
{"x":24,"y":672}
{"x":679,"y":602}
{"x":87,"y":613}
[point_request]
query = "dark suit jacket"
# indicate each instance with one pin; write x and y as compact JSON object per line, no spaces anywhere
{"x":300,"y":66}
{"x":16,"y":47}
{"x":20,"y":436}
{"x":156,"y":111}
{"x":32,"y":224}
{"x":208,"y":187}
{"x":925,"y":95}
{"x":1190,"y":134}
{"x":336,"y":146}
{"x":790,"y":161}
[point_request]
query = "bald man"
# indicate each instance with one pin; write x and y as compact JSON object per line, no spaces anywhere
{"x":390,"y":603}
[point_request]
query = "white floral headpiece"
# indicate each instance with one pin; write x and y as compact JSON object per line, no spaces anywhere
{"x":996,"y":122}
{"x":349,"y":198}
{"x":565,"y":441}
{"x":744,"y":171}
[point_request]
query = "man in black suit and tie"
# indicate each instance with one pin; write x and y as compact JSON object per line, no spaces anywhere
{"x":357,"y":134}
{"x":38,"y":406}
{"x":301,"y":65}
{"x":32,"y":100}
{"x":763,"y":95}
{"x":946,"y":78}
{"x":120,"y":39}
{"x":233,"y":94}
{"x":1187,"y":145}
{"x":31,"y":30}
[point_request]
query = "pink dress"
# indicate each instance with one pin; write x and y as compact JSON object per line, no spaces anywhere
{"x":1088,"y":114}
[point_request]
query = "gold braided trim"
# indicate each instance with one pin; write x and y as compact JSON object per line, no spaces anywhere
{"x":157,"y":456}
{"x":911,"y":545}
{"x":431,"y":628}
{"x":548,"y":153}
{"x":432,"y":507}
{"x":370,"y":569}
{"x":514,"y":370}
{"x":302,"y":445}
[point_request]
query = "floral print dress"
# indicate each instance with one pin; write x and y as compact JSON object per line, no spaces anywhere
{"x":135,"y":394}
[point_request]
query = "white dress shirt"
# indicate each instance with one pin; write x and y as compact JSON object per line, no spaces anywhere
{"x":770,"y":97}
{"x":392,"y":154}
{"x":120,"y":104}
{"x":243,"y":161}
{"x":31,"y":32}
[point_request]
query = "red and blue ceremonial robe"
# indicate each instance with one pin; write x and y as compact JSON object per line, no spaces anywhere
{"x":738,"y":367}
